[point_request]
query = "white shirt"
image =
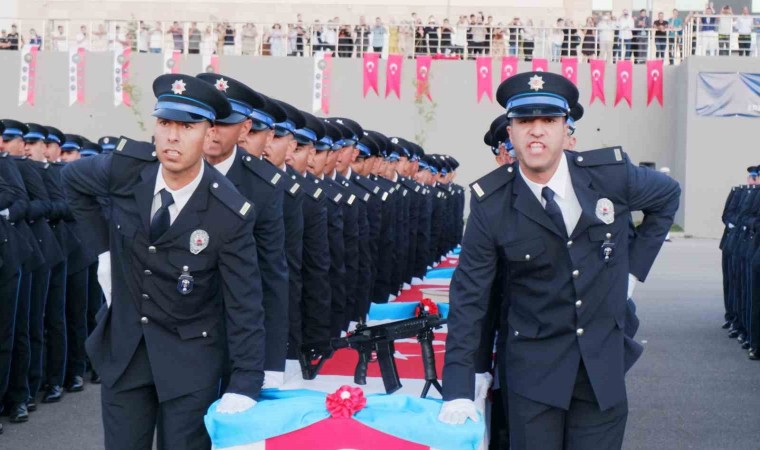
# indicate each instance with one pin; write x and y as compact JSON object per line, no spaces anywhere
{"x":181,"y":196}
{"x":744,"y":24}
{"x":626,"y":25}
{"x":565,"y":196}
{"x":226,"y":165}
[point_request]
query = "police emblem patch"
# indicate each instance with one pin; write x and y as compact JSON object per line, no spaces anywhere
{"x":198,"y":241}
{"x":605,"y":210}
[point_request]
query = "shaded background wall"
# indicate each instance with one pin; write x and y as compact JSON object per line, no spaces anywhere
{"x":707,"y":155}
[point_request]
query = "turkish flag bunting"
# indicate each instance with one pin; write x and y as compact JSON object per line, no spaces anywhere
{"x":508,"y":67}
{"x":570,"y":69}
{"x":371,"y":61}
{"x":485,"y":79}
{"x":654,"y":80}
{"x":624,"y":81}
{"x":393,"y":75}
{"x":540,"y":65}
{"x":597,"y":80}
{"x":423,"y":76}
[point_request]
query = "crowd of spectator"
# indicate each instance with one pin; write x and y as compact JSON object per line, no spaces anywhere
{"x":603,"y":35}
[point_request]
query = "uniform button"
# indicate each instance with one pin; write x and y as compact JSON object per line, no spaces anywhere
{"x":569,"y":244}
{"x":579,"y":332}
{"x":576,"y":273}
{"x":517,"y":333}
{"x":578,"y":304}
{"x":146,"y":297}
{"x":147,"y":272}
{"x":608,"y":235}
{"x":118,"y":227}
{"x":144,"y":320}
{"x":580,"y":159}
{"x":509,"y":169}
{"x":248,"y":158}
{"x":153,"y":154}
{"x":204,"y":334}
{"x":215,"y":185}
{"x":185,"y":268}
{"x":151,"y":249}
{"x":527,"y":257}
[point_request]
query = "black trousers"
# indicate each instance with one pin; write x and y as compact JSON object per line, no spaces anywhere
{"x":55,"y":327}
{"x":534,"y":425}
{"x":132,"y":412}
{"x":76,"y":323}
{"x":18,"y":381}
{"x":9,"y":287}
{"x":37,"y":299}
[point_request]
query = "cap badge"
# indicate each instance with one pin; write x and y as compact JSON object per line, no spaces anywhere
{"x":179,"y":87}
{"x":536,"y":82}
{"x":605,"y":210}
{"x":222,"y":84}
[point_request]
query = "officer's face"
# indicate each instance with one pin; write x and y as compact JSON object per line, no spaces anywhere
{"x":179,"y":145}
{"x":257,"y":141}
{"x":279,"y":149}
{"x":332,"y":161}
{"x":300,"y":157}
{"x":346,"y":156}
{"x":538,"y":142}
{"x":391,"y":169}
{"x":35,"y":150}
{"x":359,"y":165}
{"x":227,"y":135}
{"x":318,"y":162}
{"x":15,"y":146}
{"x":70,"y":156}
{"x":53,"y":151}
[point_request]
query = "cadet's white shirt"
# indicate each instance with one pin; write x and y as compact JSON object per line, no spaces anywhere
{"x":181,"y":196}
{"x":226,"y":165}
{"x":565,"y":197}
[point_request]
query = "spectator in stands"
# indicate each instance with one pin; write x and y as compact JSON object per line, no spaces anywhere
{"x":406,"y":37}
{"x":588,"y":48}
{"x":478,"y":32}
{"x":606,"y":34}
{"x":4,"y":43}
{"x":420,"y":46}
{"x":250,"y":39}
{"x":156,"y":38}
{"x":119,"y":39}
{"x":330,"y":36}
{"x":675,"y":25}
{"x":100,"y":39}
{"x":300,"y":34}
{"x":529,"y":40}
{"x":60,"y":41}
{"x":143,"y":38}
{"x":194,"y":38}
{"x":13,"y":38}
{"x":35,"y":39}
{"x":229,"y":39}
{"x":725,"y":28}
{"x":278,"y":41}
{"x":641,"y":41}
{"x":378,"y":35}
{"x":557,"y":38}
{"x":178,"y":37}
{"x":82,"y":40}
{"x":660,"y":35}
{"x":625,"y":25}
{"x":345,"y":41}
{"x":208,"y":42}
{"x":362,"y":36}
{"x":708,"y":32}
{"x":393,"y":36}
{"x":744,"y":28}
{"x":431,"y":35}
{"x":515,"y":29}
{"x":460,"y":36}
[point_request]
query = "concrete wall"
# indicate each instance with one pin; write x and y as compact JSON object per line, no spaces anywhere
{"x":671,"y":135}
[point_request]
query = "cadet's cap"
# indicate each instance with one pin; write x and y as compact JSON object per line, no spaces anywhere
{"x":242,"y":98}
{"x":453,"y":163}
{"x":108,"y":143}
{"x":576,"y":113}
{"x":367,"y":146}
{"x":427,"y":162}
{"x":537,"y":94}
{"x":752,"y":170}
{"x":90,"y":149}
{"x":402,"y":147}
{"x":351,"y":130}
{"x":183,"y":98}
{"x":294,"y":119}
{"x":54,"y":135}
{"x":271,"y":110}
{"x":333,"y":136}
{"x":381,"y":141}
{"x":311,"y":132}
{"x":13,"y":129}
{"x":417,"y":151}
{"x":72,"y":142}
{"x":35,"y":132}
{"x":499,"y":133}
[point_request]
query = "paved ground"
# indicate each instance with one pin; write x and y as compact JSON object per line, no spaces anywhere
{"x":692,"y":389}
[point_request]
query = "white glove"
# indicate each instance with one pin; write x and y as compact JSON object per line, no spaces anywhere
{"x":234,"y":403}
{"x":456,"y":412}
{"x":273,"y":380}
{"x":5,"y":213}
{"x":632,"y":280}
{"x":292,"y":370}
{"x":483,"y":383}
{"x":352,"y":326}
{"x":104,"y":275}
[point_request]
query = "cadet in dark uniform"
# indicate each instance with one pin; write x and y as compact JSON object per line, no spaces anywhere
{"x":258,"y":181}
{"x":552,"y":221}
{"x":186,"y":296}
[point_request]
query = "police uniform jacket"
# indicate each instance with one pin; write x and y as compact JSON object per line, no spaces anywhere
{"x":18,"y":209}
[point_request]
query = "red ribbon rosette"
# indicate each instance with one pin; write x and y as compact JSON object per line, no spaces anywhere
{"x":345,"y":402}
{"x":426,"y":307}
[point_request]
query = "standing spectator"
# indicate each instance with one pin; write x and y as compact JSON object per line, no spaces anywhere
{"x":470,"y":44}
{"x":460,"y":35}
{"x":378,"y":35}
{"x":660,"y":35}
{"x":278,"y":41}
{"x":60,"y":42}
{"x":498,"y":44}
{"x":675,"y":25}
{"x":250,"y":39}
{"x":100,"y":39}
{"x":725,"y":28}
{"x":82,"y":40}
{"x":643,"y":25}
{"x":420,"y":48}
{"x":625,"y":25}
{"x":208,"y":42}
{"x":178,"y":36}
{"x":479,"y":42}
{"x":4,"y":43}
{"x":393,"y":37}
{"x":194,"y":39}
{"x":575,"y":38}
{"x":488,"y":24}
{"x":345,"y":42}
{"x":35,"y":39}
{"x":362,"y":36}
{"x":316,"y":38}
{"x":744,"y":28}
{"x":220,"y":31}
{"x":588,"y":48}
{"x":515,"y":29}
{"x":557,"y":39}
{"x":300,"y":33}
{"x":13,"y":38}
{"x":292,"y":37}
{"x":156,"y":38}
{"x":606,"y":35}
{"x":229,"y":39}
{"x":446,"y":33}
{"x":529,"y":40}
{"x":708,"y":32}
{"x":143,"y":38}
{"x":330,"y":36}
{"x":431,"y":36}
{"x":119,"y":39}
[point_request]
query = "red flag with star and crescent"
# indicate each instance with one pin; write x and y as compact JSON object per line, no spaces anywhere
{"x":393,"y":75}
{"x":570,"y":69}
{"x":654,"y":81}
{"x":624,"y":88}
{"x":597,"y":80}
{"x":371,"y":63}
{"x":483,"y":65}
{"x":423,"y":76}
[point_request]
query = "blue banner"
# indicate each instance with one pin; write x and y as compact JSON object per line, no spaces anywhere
{"x":728,"y":94}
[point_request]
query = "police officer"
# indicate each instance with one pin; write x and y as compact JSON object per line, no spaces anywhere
{"x":551,"y":219}
{"x":185,"y":296}
{"x":258,"y":182}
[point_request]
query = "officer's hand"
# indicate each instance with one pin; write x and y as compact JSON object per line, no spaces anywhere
{"x":483,"y":383}
{"x":273,"y":380}
{"x":234,"y":403}
{"x":456,"y":412}
{"x":104,"y":275}
{"x":632,"y":280}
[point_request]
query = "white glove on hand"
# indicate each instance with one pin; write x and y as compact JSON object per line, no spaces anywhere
{"x":483,"y":383}
{"x":456,"y":412}
{"x":234,"y":403}
{"x":292,"y":370}
{"x":104,"y":275}
{"x":273,"y":380}
{"x":5,"y":213}
{"x":632,"y":280}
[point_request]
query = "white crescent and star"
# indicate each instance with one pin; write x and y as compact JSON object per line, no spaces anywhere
{"x":423,"y":72}
{"x":596,"y":74}
{"x":370,"y":66}
{"x":484,"y":71}
{"x":569,"y":71}
{"x":624,"y":75}
{"x":179,"y":87}
{"x":394,"y":68}
{"x":655,"y":74}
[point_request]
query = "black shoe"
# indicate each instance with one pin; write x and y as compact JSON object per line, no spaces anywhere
{"x":1,"y":428}
{"x":754,"y":354}
{"x":19,"y":413}
{"x":741,"y":338}
{"x":745,"y":345}
{"x":95,"y":379}
{"x":31,"y":406}
{"x":76,"y":384}
{"x":733,"y":334}
{"x":53,"y":395}
{"x":726,"y":325}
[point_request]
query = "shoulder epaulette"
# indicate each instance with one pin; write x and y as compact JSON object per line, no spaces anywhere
{"x":136,"y":149}
{"x":368,"y":184}
{"x":223,"y":189}
{"x":312,"y":189}
{"x":486,"y":185}
{"x":262,"y":169}
{"x":332,"y":190}
{"x":599,"y":157}
{"x":4,"y":154}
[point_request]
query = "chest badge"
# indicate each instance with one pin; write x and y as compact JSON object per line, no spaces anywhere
{"x":198,"y":241}
{"x":185,"y":282}
{"x":605,"y":210}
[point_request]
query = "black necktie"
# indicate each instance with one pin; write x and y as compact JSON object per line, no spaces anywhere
{"x":552,"y":209}
{"x":161,"y":220}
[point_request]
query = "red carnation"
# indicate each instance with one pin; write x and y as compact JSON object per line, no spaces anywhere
{"x":426,"y":306}
{"x":345,"y":402}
